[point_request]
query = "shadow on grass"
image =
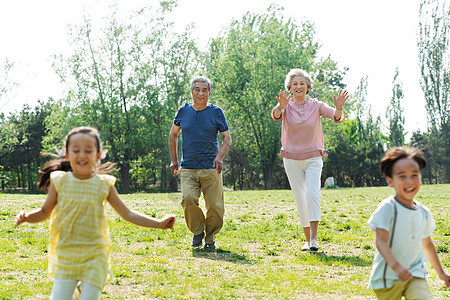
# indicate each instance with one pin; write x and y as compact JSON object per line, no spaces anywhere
{"x":346,"y":259}
{"x":220,"y":254}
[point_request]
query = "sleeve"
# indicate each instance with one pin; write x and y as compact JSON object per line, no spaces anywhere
{"x":108,"y":181}
{"x":430,"y":226}
{"x":221,"y":120}
{"x":275,"y":119}
{"x":382,"y":217}
{"x":328,"y":112}
{"x":177,"y":119}
{"x":57,"y":178}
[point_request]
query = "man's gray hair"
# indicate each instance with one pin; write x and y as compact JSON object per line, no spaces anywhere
{"x":202,"y":79}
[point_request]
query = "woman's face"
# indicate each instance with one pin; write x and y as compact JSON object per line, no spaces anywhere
{"x":299,"y":87}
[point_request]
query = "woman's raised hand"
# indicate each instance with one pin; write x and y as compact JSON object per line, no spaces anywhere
{"x":283,"y":99}
{"x":340,"y":99}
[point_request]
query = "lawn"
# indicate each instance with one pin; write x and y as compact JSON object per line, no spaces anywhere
{"x":258,"y":255}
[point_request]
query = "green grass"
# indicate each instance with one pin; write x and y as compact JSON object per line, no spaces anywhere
{"x":258,"y":255}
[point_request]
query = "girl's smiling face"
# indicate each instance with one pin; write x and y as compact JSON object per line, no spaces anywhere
{"x":82,"y":154}
{"x":406,"y":180}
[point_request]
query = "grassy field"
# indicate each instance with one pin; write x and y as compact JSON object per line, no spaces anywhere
{"x":258,"y":255}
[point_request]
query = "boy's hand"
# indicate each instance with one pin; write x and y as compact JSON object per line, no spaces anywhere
{"x":167,"y":222}
{"x":403,"y":273}
{"x":20,"y":218}
{"x":446,"y":279}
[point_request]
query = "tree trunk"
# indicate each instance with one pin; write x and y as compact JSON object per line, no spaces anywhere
{"x":125,"y":176}
{"x":267,"y":172}
{"x":174,"y":184}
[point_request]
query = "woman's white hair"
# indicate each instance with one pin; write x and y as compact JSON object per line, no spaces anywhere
{"x":298,"y":72}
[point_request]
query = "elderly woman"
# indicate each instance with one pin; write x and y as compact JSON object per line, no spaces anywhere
{"x":303,"y":147}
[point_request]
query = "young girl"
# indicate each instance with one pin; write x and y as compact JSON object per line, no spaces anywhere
{"x":403,"y":227}
{"x":80,"y":245}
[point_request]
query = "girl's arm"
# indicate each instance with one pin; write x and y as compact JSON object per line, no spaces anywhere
{"x":135,"y":217}
{"x":431,"y":254}
{"x":382,"y":244}
{"x":39,"y":214}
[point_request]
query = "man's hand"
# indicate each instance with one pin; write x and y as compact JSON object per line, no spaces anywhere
{"x":218,"y":164}
{"x":174,"y":168}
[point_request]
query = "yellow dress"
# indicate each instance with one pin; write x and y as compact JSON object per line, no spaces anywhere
{"x":80,"y":244}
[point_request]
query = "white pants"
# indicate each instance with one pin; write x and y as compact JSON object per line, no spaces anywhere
{"x":63,"y":290}
{"x":304,"y":178}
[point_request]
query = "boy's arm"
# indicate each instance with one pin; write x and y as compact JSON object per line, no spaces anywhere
{"x":382,"y":244}
{"x":135,"y":217}
{"x":431,"y":254}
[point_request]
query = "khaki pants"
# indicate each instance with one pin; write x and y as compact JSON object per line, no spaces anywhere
{"x":208,"y":181}
{"x":415,"y":288}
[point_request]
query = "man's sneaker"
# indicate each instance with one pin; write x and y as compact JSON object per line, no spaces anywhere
{"x":209,"y":246}
{"x":197,"y":240}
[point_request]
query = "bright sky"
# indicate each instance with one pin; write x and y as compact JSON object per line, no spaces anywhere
{"x":369,"y":37}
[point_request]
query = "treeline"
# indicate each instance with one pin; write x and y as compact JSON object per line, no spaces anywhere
{"x":128,"y":79}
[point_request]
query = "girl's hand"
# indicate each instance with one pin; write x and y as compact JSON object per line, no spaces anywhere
{"x":340,"y":99}
{"x":402,"y":273}
{"x":20,"y":218}
{"x":167,"y":222}
{"x":282,"y":98}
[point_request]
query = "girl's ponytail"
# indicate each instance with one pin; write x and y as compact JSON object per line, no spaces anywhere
{"x":50,"y":166}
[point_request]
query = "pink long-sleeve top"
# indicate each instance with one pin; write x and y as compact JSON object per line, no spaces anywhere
{"x":301,"y":133}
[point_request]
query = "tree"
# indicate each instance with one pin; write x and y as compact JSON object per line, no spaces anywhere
{"x":20,"y":144}
{"x":248,"y":64}
{"x":394,"y":114}
{"x":117,"y":85}
{"x":433,"y":47}
{"x":6,"y":82}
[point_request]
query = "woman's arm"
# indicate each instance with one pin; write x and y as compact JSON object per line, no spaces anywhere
{"x":135,"y":217}
{"x":39,"y":214}
{"x":381,"y":239}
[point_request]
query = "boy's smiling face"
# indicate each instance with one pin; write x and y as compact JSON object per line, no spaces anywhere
{"x":406,"y":180}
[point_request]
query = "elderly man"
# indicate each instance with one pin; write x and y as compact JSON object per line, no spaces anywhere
{"x":202,"y":161}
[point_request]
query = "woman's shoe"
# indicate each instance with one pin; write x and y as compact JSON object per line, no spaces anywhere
{"x":314,"y":247}
{"x":305,"y":247}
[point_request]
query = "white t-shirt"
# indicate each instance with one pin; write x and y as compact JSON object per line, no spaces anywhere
{"x":411,"y":226}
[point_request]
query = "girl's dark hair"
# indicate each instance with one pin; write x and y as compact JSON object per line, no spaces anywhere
{"x":61,"y":164}
{"x":396,"y":153}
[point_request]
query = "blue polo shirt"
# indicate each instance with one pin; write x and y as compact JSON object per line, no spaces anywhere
{"x":199,"y":134}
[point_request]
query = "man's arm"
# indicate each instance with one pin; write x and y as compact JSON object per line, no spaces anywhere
{"x":226,"y":143}
{"x":173,"y":146}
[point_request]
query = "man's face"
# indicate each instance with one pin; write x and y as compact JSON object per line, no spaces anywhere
{"x":200,"y":93}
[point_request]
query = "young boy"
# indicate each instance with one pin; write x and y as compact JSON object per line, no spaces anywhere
{"x":403,"y":227}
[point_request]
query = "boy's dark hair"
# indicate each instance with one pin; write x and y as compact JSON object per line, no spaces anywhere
{"x":61,"y":164}
{"x":396,"y":153}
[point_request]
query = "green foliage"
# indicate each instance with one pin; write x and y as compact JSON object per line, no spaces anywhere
{"x":258,"y":256}
{"x":355,"y":147}
{"x":435,"y":144}
{"x":20,"y":145}
{"x":433,"y":48}
{"x":248,"y":64}
{"x":394,"y":114}
{"x":128,"y":82}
